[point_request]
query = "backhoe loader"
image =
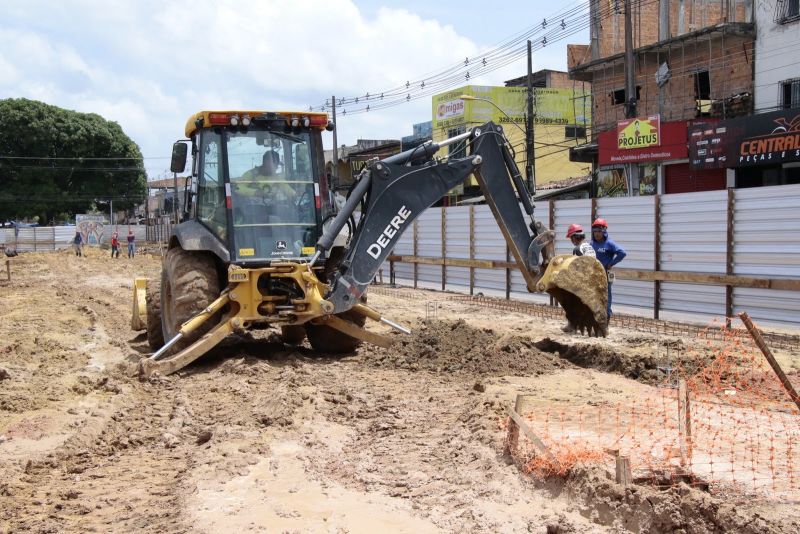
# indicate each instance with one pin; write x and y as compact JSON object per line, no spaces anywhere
{"x":263,"y":245}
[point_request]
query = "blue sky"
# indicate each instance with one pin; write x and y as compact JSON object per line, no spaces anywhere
{"x":150,"y":64}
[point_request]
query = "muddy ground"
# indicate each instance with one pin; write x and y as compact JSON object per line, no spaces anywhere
{"x":260,"y":437}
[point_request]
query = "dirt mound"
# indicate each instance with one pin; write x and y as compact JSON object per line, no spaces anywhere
{"x":679,"y":508}
{"x":455,"y":346}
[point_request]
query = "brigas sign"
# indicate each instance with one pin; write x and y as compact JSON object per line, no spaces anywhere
{"x":449,"y":109}
{"x":639,"y":132}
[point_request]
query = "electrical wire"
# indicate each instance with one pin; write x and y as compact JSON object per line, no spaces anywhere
{"x":578,"y":21}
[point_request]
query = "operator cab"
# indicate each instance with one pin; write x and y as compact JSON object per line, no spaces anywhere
{"x":258,"y":182}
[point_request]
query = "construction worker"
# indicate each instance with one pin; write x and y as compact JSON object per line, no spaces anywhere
{"x":581,"y":248}
{"x":115,"y":245}
{"x":608,"y":253}
{"x":77,"y":241}
{"x":578,"y":238}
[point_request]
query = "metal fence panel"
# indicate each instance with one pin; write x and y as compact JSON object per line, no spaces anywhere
{"x":489,"y":245}
{"x":765,"y":241}
{"x":768,"y":306}
{"x":429,"y":243}
{"x":457,"y":244}
{"x":706,"y":300}
{"x":63,"y":236}
{"x":693,"y":230}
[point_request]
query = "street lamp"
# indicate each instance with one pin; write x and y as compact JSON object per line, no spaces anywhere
{"x":529,"y":168}
{"x":512,"y":121}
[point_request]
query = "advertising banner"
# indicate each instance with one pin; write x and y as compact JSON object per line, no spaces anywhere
{"x":763,"y":139}
{"x":639,"y":132}
{"x":672,"y":146}
{"x":551,"y":106}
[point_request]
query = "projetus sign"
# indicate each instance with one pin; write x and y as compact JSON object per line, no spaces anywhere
{"x":639,"y":132}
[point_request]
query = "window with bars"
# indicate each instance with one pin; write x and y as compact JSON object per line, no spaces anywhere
{"x":787,"y":11}
{"x":790,"y":93}
{"x":457,"y":150}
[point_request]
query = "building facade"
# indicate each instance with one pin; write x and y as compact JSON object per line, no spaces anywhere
{"x":693,"y":61}
{"x":561,"y":119}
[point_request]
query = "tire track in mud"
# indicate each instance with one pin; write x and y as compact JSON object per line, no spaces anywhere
{"x":122,"y":472}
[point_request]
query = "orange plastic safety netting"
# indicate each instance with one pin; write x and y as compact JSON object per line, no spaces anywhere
{"x":721,"y":419}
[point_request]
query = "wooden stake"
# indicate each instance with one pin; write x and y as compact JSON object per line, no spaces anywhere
{"x":517,"y":424}
{"x":624,"y":475}
{"x":684,"y":423}
{"x":787,"y":385}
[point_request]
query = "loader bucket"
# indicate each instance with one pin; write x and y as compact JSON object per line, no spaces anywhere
{"x":139,"y":311}
{"x":580,"y":285}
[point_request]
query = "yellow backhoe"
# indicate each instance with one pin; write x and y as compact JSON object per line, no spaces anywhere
{"x":262,"y":243}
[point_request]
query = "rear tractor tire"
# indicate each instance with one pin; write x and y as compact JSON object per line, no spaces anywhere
{"x":189,"y":283}
{"x":293,"y":334}
{"x":155,"y":335}
{"x":331,"y":341}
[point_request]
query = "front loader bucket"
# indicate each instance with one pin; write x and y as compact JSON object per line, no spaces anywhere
{"x":580,"y":285}
{"x":139,"y":311}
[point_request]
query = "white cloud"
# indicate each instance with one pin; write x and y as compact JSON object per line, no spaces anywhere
{"x":148,"y":64}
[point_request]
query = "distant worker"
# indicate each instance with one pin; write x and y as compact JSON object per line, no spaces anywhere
{"x":115,"y":245}
{"x":581,"y":248}
{"x":77,"y":241}
{"x":131,"y":244}
{"x":608,"y":253}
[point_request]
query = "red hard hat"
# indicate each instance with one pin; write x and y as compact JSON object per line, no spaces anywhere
{"x":600,"y":222}
{"x":574,"y":229}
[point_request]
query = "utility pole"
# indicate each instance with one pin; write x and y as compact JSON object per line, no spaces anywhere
{"x":630,"y":87}
{"x":630,"y":74}
{"x":335,"y":173}
{"x":111,"y":214}
{"x":530,"y":168}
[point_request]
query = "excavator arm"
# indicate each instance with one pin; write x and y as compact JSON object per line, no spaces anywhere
{"x":395,"y":191}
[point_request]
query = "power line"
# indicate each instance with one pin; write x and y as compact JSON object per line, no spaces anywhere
{"x":568,"y":25}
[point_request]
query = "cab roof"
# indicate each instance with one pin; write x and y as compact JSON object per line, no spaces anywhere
{"x":318,"y":120}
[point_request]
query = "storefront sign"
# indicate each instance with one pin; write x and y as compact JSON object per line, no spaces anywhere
{"x":672,"y":146}
{"x":764,"y":139}
{"x":639,"y":133}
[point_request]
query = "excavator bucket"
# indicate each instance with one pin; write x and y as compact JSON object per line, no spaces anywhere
{"x":580,"y":285}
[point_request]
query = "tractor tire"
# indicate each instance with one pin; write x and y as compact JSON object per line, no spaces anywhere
{"x":293,"y":334}
{"x":331,"y":341}
{"x":189,"y":283}
{"x":155,"y":335}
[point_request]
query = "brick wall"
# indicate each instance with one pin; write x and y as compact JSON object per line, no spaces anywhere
{"x":692,"y":16}
{"x":727,"y":58}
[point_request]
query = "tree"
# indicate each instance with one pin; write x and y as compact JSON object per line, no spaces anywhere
{"x":54,"y":160}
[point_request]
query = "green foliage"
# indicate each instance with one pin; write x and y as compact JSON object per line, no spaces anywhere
{"x":55,"y":161}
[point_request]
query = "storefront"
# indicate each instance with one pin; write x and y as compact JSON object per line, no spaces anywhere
{"x":644,"y":156}
{"x":761,"y":149}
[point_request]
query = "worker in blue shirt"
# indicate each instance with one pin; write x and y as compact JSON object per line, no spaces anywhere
{"x":608,"y":252}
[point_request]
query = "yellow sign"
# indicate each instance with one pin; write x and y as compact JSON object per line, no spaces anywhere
{"x":247,"y":252}
{"x":552,"y":106}
{"x":307,"y":250}
{"x":639,"y":132}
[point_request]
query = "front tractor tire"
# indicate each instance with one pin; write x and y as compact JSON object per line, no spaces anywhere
{"x":189,"y":283}
{"x":331,"y":341}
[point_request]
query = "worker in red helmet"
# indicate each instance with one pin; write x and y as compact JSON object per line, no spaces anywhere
{"x":578,"y":238}
{"x":607,"y":251}
{"x":581,"y":248}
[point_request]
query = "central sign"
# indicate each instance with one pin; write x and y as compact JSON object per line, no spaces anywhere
{"x":639,"y":132}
